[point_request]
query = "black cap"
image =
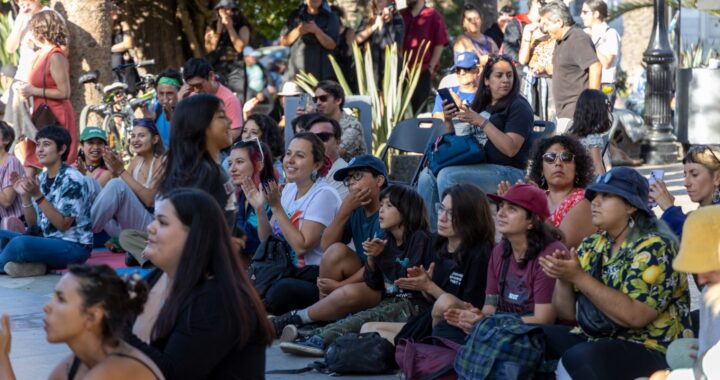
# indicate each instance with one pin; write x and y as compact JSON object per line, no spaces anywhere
{"x":230,"y":4}
{"x":365,"y":161}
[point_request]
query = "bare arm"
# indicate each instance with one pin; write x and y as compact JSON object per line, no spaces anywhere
{"x":542,"y":314}
{"x":127,"y":42}
{"x":292,"y":36}
{"x":212,"y":36}
{"x":239,"y":39}
{"x":606,"y":60}
{"x":596,"y":154}
{"x":58,"y":67}
{"x":61,"y":222}
{"x":325,"y":40}
{"x":576,"y":225}
{"x":508,"y":144}
{"x":7,"y":197}
{"x":301,"y":240}
{"x":365,"y":33}
{"x":146,"y":194}
{"x":564,"y":300}
{"x":594,"y":76}
{"x":435,"y":58}
{"x":334,"y":232}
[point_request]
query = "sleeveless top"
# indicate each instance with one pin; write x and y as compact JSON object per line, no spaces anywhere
{"x":138,"y":167}
{"x":484,"y":46}
{"x":125,"y":351}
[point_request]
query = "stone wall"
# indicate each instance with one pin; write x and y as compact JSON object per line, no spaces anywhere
{"x":637,"y":29}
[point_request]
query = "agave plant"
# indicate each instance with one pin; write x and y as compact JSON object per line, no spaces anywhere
{"x":390,"y":102}
{"x":697,"y":55}
{"x":5,"y":28}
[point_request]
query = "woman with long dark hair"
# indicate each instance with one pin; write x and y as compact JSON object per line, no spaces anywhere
{"x":515,"y":282}
{"x":502,"y":121}
{"x":266,"y":129}
{"x":211,"y":324}
{"x":592,"y":120}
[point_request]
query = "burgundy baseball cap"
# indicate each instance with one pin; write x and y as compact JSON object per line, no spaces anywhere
{"x":529,"y":197}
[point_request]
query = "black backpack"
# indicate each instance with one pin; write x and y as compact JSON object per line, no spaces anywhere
{"x":272,"y":261}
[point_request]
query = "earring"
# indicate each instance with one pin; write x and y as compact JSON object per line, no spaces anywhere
{"x":314,"y":175}
{"x":577,"y":180}
{"x":631,"y":222}
{"x":716,"y":196}
{"x":542,"y":181}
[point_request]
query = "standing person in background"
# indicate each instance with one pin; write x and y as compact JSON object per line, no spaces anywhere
{"x":512,"y":32}
{"x":472,"y":39}
{"x":575,"y":66}
{"x":607,"y":43}
{"x":16,"y":113}
{"x":10,"y":205}
{"x":311,"y":32}
{"x":382,"y":27}
{"x":536,"y":51}
{"x":330,"y":100}
{"x":343,"y":51}
{"x":225,"y":43}
{"x":49,"y":81}
{"x":200,"y":79}
{"x":424,"y":23}
{"x":120,"y":52}
{"x":166,"y":97}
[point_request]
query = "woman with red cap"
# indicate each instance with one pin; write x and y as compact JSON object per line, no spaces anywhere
{"x":515,"y":281}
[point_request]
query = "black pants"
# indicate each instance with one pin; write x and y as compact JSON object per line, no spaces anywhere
{"x":422,"y":91}
{"x":292,"y":293}
{"x":602,"y":359}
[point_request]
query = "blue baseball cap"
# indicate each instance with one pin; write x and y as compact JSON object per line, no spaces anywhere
{"x":365,"y":161}
{"x":624,"y":182}
{"x":466,"y":60}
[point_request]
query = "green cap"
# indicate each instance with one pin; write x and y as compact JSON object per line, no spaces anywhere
{"x":93,"y":133}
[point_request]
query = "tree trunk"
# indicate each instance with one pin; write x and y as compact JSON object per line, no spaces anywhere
{"x":156,"y":31}
{"x":88,"y":23}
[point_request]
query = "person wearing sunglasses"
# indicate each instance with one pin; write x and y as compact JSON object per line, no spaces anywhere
{"x":330,"y":100}
{"x":329,"y":132}
{"x":561,"y":166}
{"x":701,"y":169}
{"x":620,"y":286}
{"x":467,"y":68}
{"x":501,"y":121}
{"x":472,"y":39}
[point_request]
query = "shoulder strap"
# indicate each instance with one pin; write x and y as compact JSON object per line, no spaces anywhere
{"x":73,"y":368}
{"x":47,"y":62}
{"x":123,"y":355}
{"x":503,"y":276}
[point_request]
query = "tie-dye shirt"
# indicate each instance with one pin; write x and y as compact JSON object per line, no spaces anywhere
{"x":69,"y":193}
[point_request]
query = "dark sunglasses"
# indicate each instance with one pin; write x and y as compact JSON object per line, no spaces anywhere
{"x":551,"y":157}
{"x":324,"y":136}
{"x":699,"y":149}
{"x":461,"y":70}
{"x":321,"y":98}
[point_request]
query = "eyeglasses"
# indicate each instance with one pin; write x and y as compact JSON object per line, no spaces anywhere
{"x":440,"y":209}
{"x":321,"y":98}
{"x":699,"y":149}
{"x":354,"y":177}
{"x":462,"y":70}
{"x":246,"y":143}
{"x":324,"y":136}
{"x":551,"y":157}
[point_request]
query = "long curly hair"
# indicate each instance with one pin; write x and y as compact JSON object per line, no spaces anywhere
{"x":584,"y":170}
{"x":593,"y":114}
{"x":49,"y":25}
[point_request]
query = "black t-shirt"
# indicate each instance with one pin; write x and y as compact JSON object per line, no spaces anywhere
{"x":517,"y":118}
{"x":572,"y":57}
{"x":467,"y":279}
{"x":306,"y":53}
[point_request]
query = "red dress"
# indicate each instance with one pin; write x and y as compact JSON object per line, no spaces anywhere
{"x":61,"y":108}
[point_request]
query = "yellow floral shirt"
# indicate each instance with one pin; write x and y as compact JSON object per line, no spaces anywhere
{"x":642,"y":269}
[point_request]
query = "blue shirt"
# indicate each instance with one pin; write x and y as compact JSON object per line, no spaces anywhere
{"x":360,"y":228}
{"x":465,"y":97}
{"x":162,"y":124}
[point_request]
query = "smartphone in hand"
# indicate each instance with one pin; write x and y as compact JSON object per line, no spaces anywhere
{"x":447,"y":96}
{"x":655,"y":175}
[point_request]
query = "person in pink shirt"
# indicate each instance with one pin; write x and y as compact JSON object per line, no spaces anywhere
{"x":200,"y":78}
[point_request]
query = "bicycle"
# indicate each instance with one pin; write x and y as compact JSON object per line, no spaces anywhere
{"x":116,"y":110}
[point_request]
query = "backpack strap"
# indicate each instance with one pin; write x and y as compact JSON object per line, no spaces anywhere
{"x":503,"y":276}
{"x":317,"y":366}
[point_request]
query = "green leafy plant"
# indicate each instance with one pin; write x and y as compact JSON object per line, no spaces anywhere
{"x":5,"y":28}
{"x":696,"y":55}
{"x":629,"y":6}
{"x":389,"y":100}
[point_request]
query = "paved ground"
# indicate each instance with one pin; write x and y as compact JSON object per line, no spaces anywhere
{"x":34,"y":358}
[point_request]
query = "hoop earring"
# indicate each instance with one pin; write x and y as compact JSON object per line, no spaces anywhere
{"x":716,"y":196}
{"x":631,"y":222}
{"x":542,"y":181}
{"x":314,"y":175}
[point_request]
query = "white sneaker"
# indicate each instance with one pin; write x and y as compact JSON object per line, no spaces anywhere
{"x":14,"y":269}
{"x":289,"y":333}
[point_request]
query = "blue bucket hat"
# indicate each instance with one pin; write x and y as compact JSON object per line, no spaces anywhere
{"x":624,"y":182}
{"x":365,"y":161}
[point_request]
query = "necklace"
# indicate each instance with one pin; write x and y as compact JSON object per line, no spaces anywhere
{"x":613,"y":239}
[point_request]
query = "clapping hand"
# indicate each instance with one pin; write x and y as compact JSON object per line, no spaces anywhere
{"x":562,"y":265}
{"x":464,"y":319}
{"x":25,"y":186}
{"x":417,"y":279}
{"x":254,"y":195}
{"x":374,"y":247}
{"x":272,"y":193}
{"x":113,"y":162}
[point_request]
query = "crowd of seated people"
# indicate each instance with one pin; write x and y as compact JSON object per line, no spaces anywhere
{"x":207,"y":187}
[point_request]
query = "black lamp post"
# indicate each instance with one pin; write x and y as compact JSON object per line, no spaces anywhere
{"x":660,"y":145}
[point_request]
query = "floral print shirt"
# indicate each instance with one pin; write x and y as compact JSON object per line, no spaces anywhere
{"x":642,"y":269}
{"x":352,"y":142}
{"x":69,"y":193}
{"x":575,"y":197}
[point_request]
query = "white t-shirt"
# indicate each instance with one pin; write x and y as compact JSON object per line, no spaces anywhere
{"x":27,"y":55}
{"x":341,"y":189}
{"x":607,"y":41}
{"x":319,"y":204}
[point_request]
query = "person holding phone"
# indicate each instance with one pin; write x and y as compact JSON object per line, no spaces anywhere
{"x":467,"y":68}
{"x":499,"y":114}
{"x":382,"y":27}
{"x":701,"y":168}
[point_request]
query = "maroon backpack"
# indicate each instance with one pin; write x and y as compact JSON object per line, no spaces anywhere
{"x":423,"y":360}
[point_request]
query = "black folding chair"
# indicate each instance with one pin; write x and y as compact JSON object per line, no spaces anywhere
{"x":413,"y":136}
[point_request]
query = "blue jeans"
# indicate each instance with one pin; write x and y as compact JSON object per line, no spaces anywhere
{"x":56,"y":253}
{"x":485,"y":176}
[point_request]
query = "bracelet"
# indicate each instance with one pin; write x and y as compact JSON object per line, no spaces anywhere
{"x":39,"y":199}
{"x":29,"y":205}
{"x":121,"y":173}
{"x":486,"y":122}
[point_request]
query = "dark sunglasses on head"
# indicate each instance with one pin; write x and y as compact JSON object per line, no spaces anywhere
{"x":321,"y":98}
{"x":324,"y":136}
{"x":699,"y":149}
{"x":551,"y":157}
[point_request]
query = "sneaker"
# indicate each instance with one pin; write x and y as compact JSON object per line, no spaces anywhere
{"x":25,"y":269}
{"x":289,"y":333}
{"x":313,"y":346}
{"x":284,"y":320}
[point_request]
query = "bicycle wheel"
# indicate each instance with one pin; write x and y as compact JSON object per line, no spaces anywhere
{"x":115,"y":126}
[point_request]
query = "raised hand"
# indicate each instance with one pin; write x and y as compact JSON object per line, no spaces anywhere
{"x":659,"y":192}
{"x":254,"y":195}
{"x":272,"y":194}
{"x":562,"y":265}
{"x":374,"y":247}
